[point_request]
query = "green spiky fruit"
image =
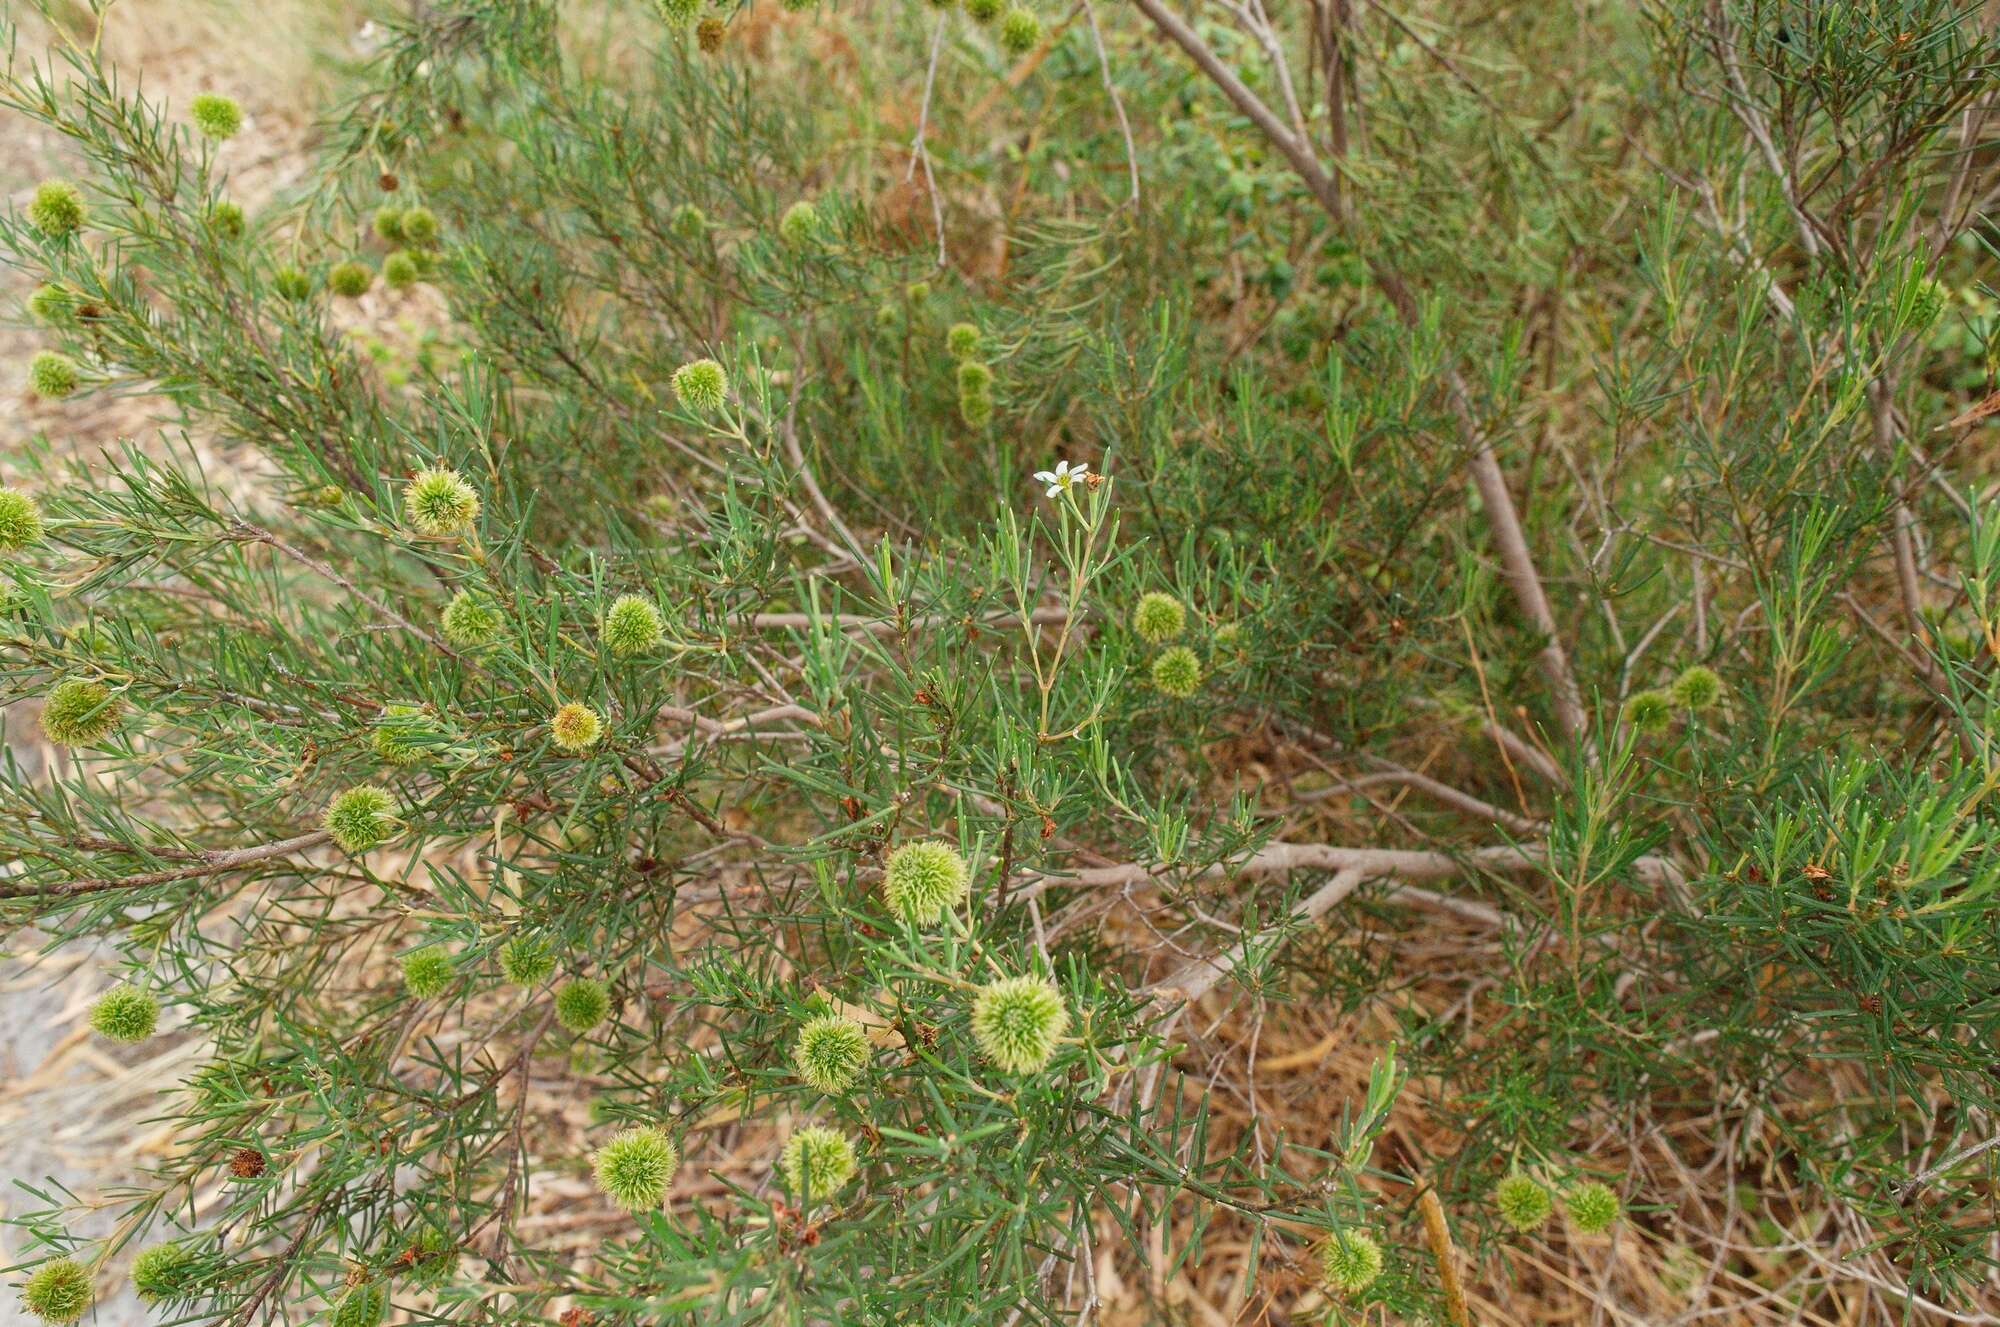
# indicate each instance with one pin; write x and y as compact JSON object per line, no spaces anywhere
{"x":426,"y":971}
{"x":469,"y":621}
{"x":1522,"y":1202}
{"x":80,"y":712}
{"x":20,"y":520}
{"x":527,"y":960}
{"x":226,"y":219}
{"x":58,"y":1291}
{"x":636,"y":1168}
{"x":217,"y":116}
{"x":360,"y":818}
{"x":125,"y":1013}
{"x":923,"y":880}
{"x":701,"y":386}
{"x":1696,"y":688}
{"x":817,"y":1161}
{"x":632,"y":625}
{"x":1650,"y":711}
{"x":438,"y":503}
{"x":165,"y":1271}
{"x":401,"y":269}
{"x":1177,"y":672}
{"x":350,"y":279}
{"x":1591,"y":1206}
{"x":582,"y":1004}
{"x":799,"y":226}
{"x":1019,"y":31}
{"x":418,"y":225}
{"x":292,"y":283}
{"x":1158,"y":617}
{"x":57,"y":209}
{"x":1350,"y":1260}
{"x":962,"y":340}
{"x":1017,"y":1022}
{"x":830,"y":1052}
{"x":363,"y":1306}
{"x":53,"y":376}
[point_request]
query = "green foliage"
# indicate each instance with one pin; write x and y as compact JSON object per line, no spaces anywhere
{"x":693,"y":608}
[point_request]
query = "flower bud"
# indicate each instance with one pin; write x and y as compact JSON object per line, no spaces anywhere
{"x":469,"y":621}
{"x":438,"y":502}
{"x":1522,"y":1202}
{"x":1019,"y":31}
{"x":418,"y":225}
{"x":1696,"y":688}
{"x":800,"y":224}
{"x":427,"y":971}
{"x":350,"y":279}
{"x":165,"y":1271}
{"x":631,"y":626}
{"x":1650,"y":711}
{"x":1591,"y":1206}
{"x":1350,"y":1260}
{"x":526,"y":960}
{"x":292,"y":284}
{"x":400,"y":269}
{"x":20,"y":520}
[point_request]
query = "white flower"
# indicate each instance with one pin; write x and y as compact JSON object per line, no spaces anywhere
{"x":1060,"y":478}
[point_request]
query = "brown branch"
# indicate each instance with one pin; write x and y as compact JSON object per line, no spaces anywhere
{"x":1516,"y":560}
{"x":209,"y":863}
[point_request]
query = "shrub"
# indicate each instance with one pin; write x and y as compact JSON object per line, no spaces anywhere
{"x":1488,"y":557}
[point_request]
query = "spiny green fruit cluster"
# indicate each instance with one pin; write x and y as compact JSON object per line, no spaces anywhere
{"x":57,"y":209}
{"x":1591,"y":1206}
{"x":635,"y":1168}
{"x":582,"y":1004}
{"x":215,"y":115}
{"x":58,"y":1291}
{"x":469,"y":621}
{"x":1522,"y":1202}
{"x":701,"y":385}
{"x":401,"y":269}
{"x":52,"y":375}
{"x":80,"y":712}
{"x":817,"y":1160}
{"x":165,"y":1271}
{"x":360,"y":818}
{"x":632,"y":625}
{"x":427,"y":971}
{"x":439,"y":503}
{"x":350,"y":279}
{"x":1158,"y":617}
{"x":1017,"y":1022}
{"x":1350,"y":1261}
{"x":526,"y":960}
{"x":20,"y":520}
{"x":1177,"y":672}
{"x":923,"y":880}
{"x":575,"y":727}
{"x":831,"y":1050}
{"x":125,"y":1013}
{"x":404,"y":735}
{"x":1019,"y":31}
{"x":292,"y":283}
{"x":800,"y":226}
{"x":362,"y":1306}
